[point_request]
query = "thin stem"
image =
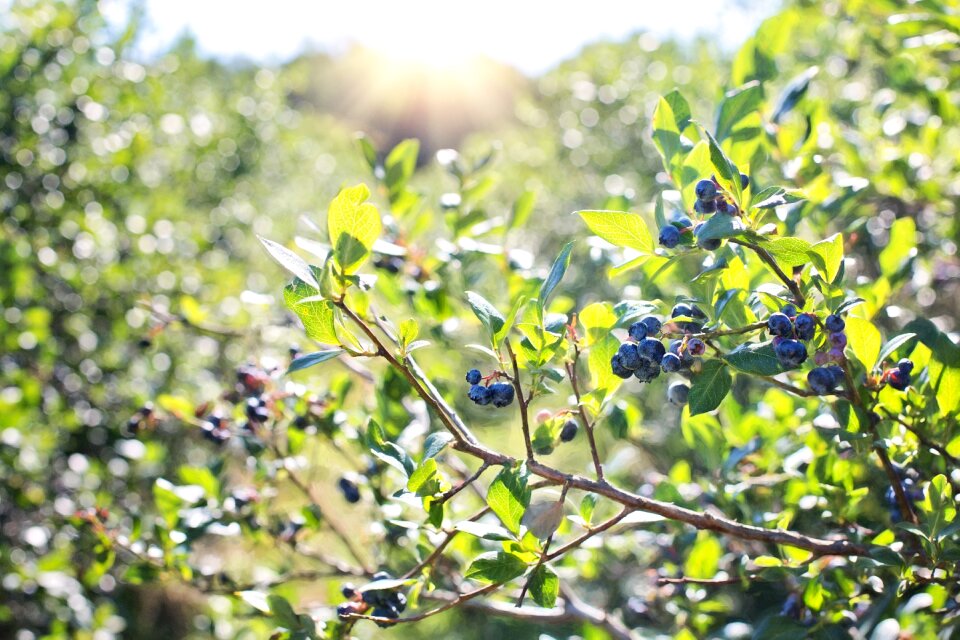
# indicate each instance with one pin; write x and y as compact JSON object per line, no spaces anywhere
{"x":438,"y":551}
{"x":579,"y":540}
{"x":771,"y":262}
{"x":463,"y":485}
{"x":523,"y":402}
{"x":587,"y":424}
{"x":711,"y":581}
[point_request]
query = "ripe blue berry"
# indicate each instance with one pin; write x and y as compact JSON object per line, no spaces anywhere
{"x":473,"y":376}
{"x":348,"y":590}
{"x":821,"y":380}
{"x":345,"y":608}
{"x":706,"y":190}
{"x":629,"y":355}
{"x":651,"y":349}
{"x":637,"y":331}
{"x":652,"y":324}
{"x":569,"y":431}
{"x":834,"y":323}
{"x":349,"y":490}
{"x":705,"y":206}
{"x":647,"y":371}
{"x":744,"y":181}
{"x":805,"y":326}
{"x":669,"y":236}
{"x":677,"y":394}
{"x":616,"y":365}
{"x":501,"y":394}
{"x":682,"y":222}
{"x":670,"y":363}
{"x":696,"y":347}
{"x":789,"y":310}
{"x":779,"y":325}
{"x":480,"y":394}
{"x":790,"y":353}
{"x":905,"y":366}
{"x":688,"y":311}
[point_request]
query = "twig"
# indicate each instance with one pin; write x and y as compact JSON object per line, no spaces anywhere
{"x":579,"y":540}
{"x":438,"y":551}
{"x":710,"y":581}
{"x":587,"y":424}
{"x":463,"y":485}
{"x":523,"y":402}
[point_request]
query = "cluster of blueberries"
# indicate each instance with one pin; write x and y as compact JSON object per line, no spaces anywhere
{"x":386,"y":603}
{"x":644,"y":357}
{"x":499,"y":394}
{"x":790,"y":330}
{"x":709,"y":201}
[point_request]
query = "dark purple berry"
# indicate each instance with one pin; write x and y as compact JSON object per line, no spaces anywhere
{"x":474,"y":376}
{"x":616,"y":365}
{"x":706,"y":190}
{"x":705,"y":206}
{"x":651,"y":349}
{"x":629,"y":355}
{"x":349,"y":489}
{"x":821,"y":380}
{"x":696,"y":347}
{"x":779,"y":325}
{"x":480,"y":394}
{"x":569,"y":431}
{"x":789,"y":310}
{"x":502,"y":394}
{"x":637,"y":331}
{"x":805,"y":326}
{"x":905,"y":366}
{"x":838,"y":340}
{"x":652,"y":324}
{"x":834,"y":323}
{"x":682,"y":222}
{"x":744,"y":181}
{"x":898,"y":379}
{"x":670,"y":363}
{"x":669,"y":236}
{"x":790,"y":353}
{"x":647,"y":371}
{"x":348,"y":590}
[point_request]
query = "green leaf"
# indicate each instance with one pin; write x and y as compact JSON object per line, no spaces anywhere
{"x":488,"y":315}
{"x":256,"y":599}
{"x":704,"y":558}
{"x":400,"y":165}
{"x":893,"y":344}
{"x":367,"y":150}
{"x":496,"y":567}
{"x":544,"y":586}
{"x":201,"y":476}
{"x":598,"y":361}
{"x":508,"y":497}
{"x":484,"y":530}
{"x":282,"y":612}
{"x":680,"y":109}
{"x":789,"y":252}
{"x":522,"y":208}
{"x":864,"y":340}
{"x":709,"y":387}
{"x":422,"y":475}
{"x":902,"y":245}
{"x":291,"y":262}
{"x":666,"y":134}
{"x":435,"y":443}
{"x":409,"y":330}
{"x":620,"y":229}
{"x":773,"y":197}
{"x":311,"y":359}
{"x":727,"y":172}
{"x":719,"y":227}
{"x":757,"y":359}
{"x":316,"y":315}
{"x":555,"y":276}
{"x":353,"y":226}
{"x":828,"y":255}
{"x":736,"y":106}
{"x":511,"y":317}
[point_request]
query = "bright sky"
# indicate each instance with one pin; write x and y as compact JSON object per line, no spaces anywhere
{"x":532,"y":35}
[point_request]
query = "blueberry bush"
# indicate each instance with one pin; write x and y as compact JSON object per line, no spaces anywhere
{"x":724,"y":405}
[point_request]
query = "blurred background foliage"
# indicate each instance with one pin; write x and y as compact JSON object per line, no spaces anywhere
{"x":131,"y":192}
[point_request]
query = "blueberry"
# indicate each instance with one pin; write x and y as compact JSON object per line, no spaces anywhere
{"x":898,"y":379}
{"x":744,"y":181}
{"x":349,"y":489}
{"x":790,"y":353}
{"x":637,"y":331}
{"x":651,"y":349}
{"x":385,"y":612}
{"x":682,"y":222}
{"x":569,"y":431}
{"x":473,"y":376}
{"x":669,"y":237}
{"x":502,"y":394}
{"x":705,"y":206}
{"x":616,"y":365}
{"x":789,"y":310}
{"x":675,"y":346}
{"x":345,"y":609}
{"x":779,"y":325}
{"x":652,"y":324}
{"x":905,"y":366}
{"x":696,"y":347}
{"x":348,"y":590}
{"x":677,"y":393}
{"x":834,"y":323}
{"x":670,"y":363}
{"x":397,"y":600}
{"x":480,"y":394}
{"x":706,"y":190}
{"x":821,"y":380}
{"x":837,"y":372}
{"x":690,"y":311}
{"x":805,"y":326}
{"x":726,"y":207}
{"x":629,"y":355}
{"x":838,"y":340}
{"x":647,"y":371}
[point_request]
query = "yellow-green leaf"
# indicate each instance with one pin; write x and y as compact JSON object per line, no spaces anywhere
{"x":620,"y":229}
{"x":354,"y":225}
{"x":864,"y":340}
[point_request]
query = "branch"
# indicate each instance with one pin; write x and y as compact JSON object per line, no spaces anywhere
{"x":711,"y":581}
{"x":576,"y":542}
{"x":771,"y":262}
{"x":524,"y":414}
{"x":463,"y":485}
